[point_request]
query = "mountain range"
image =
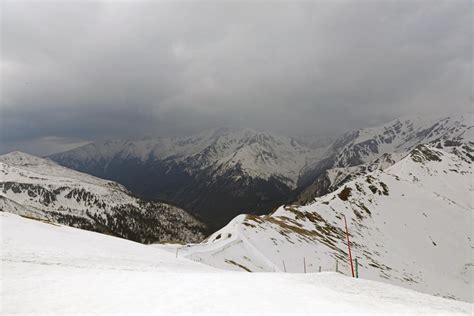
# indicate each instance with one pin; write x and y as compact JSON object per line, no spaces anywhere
{"x":365,"y":150}
{"x":223,"y":172}
{"x":216,"y":174}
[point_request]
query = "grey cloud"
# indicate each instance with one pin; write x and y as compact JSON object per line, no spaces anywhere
{"x":82,"y":71}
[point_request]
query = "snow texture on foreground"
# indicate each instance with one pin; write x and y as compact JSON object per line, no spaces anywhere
{"x":56,"y":269}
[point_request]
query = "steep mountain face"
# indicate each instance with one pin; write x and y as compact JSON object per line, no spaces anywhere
{"x":40,"y":188}
{"x":216,"y":174}
{"x":410,"y":225}
{"x":363,"y":151}
{"x":333,"y":178}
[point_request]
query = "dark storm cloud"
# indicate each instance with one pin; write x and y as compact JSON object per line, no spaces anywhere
{"x":80,"y":71}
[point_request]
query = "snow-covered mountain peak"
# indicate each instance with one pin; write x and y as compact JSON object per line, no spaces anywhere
{"x":260,"y":153}
{"x":364,"y":146}
{"x":18,"y":158}
{"x":403,"y":134}
{"x":21,"y":167}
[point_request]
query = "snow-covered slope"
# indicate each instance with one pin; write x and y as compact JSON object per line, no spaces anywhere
{"x":215,"y":174}
{"x":365,"y":150}
{"x":399,"y":136}
{"x":410,"y":225}
{"x":53,"y":269}
{"x":332,"y":179}
{"x":40,"y":188}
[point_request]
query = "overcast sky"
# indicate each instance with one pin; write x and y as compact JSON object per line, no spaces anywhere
{"x":79,"y":71}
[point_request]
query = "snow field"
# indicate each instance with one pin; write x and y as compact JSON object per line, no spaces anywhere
{"x":56,"y":269}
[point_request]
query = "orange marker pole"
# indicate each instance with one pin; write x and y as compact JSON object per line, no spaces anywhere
{"x":349,"y":246}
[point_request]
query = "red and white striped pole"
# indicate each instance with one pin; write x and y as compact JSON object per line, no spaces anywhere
{"x":349,"y":246}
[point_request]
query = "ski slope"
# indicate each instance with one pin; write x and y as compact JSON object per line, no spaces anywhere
{"x":48,"y":268}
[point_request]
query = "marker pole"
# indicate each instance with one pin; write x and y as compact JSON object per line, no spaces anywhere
{"x":349,"y":246}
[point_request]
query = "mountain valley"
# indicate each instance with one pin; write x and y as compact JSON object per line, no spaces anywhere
{"x":39,"y":188}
